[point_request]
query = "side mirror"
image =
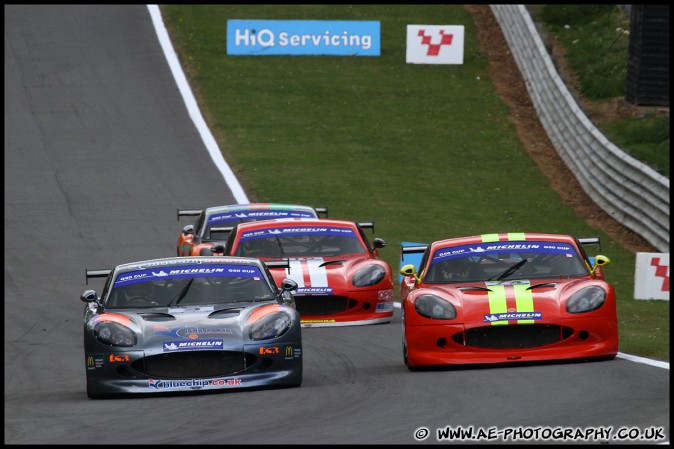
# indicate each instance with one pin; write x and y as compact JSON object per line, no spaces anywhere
{"x":378,"y":243}
{"x":218,"y":248}
{"x":288,"y":285}
{"x":89,"y":296}
{"x":600,"y":261}
{"x":409,"y":270}
{"x":286,"y":297}
{"x":188,"y":230}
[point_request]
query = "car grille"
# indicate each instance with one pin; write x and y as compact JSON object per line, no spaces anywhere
{"x":180,"y":365}
{"x":323,"y":304}
{"x":513,"y":336}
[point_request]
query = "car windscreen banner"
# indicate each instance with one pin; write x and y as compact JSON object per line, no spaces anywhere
{"x":298,"y":231}
{"x":494,"y":248}
{"x":187,"y":271}
{"x":252,"y":215}
{"x":303,"y":37}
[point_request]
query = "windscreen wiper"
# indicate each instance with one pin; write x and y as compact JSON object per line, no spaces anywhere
{"x":182,"y":293}
{"x":509,"y":271}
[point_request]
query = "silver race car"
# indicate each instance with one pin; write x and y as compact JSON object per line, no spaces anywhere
{"x":190,"y":324}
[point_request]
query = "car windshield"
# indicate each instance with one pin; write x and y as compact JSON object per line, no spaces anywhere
{"x":189,"y":286}
{"x":301,"y":241}
{"x":500,"y":261}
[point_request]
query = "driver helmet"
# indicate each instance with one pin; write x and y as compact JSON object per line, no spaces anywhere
{"x":138,"y":291}
{"x":454,"y":269}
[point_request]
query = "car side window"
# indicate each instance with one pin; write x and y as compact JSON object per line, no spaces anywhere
{"x":199,"y":227}
{"x":362,"y":236}
{"x":567,"y":266}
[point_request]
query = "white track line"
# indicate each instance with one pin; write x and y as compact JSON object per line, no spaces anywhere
{"x":192,"y":107}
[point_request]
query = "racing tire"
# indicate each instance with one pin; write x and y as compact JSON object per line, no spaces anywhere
{"x":411,"y":368}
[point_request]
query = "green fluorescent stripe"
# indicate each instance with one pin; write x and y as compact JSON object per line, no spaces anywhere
{"x":489,"y":237}
{"x":497,"y":302}
{"x":516,"y":236}
{"x":524,"y":301}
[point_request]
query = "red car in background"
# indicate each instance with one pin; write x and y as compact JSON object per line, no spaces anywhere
{"x":500,"y":298}
{"x":213,"y":224}
{"x":341,"y":279}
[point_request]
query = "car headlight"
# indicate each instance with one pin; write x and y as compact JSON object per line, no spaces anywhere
{"x":370,"y":275}
{"x":586,"y":300}
{"x":272,"y":325}
{"x":434,"y":307}
{"x":114,"y":334}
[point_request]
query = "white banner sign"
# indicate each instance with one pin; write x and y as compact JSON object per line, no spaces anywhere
{"x":435,"y":44}
{"x":651,"y":277}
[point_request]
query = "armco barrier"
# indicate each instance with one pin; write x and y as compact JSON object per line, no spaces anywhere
{"x":631,"y":192}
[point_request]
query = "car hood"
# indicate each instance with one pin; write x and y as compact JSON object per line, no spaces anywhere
{"x":323,"y":275}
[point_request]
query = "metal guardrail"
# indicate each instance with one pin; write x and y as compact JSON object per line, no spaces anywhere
{"x":631,"y":192}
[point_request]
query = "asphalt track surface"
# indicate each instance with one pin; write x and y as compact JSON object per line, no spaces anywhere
{"x":99,"y":153}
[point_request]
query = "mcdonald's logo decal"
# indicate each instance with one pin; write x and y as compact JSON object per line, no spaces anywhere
{"x":94,"y":361}
{"x":291,"y":352}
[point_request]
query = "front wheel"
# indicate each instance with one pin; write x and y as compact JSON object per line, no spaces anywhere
{"x":411,"y":368}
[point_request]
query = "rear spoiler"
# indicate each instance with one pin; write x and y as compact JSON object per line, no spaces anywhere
{"x":188,"y":212}
{"x":590,"y":241}
{"x":221,"y":229}
{"x":321,"y":210}
{"x":285,"y":263}
{"x":88,"y":274}
{"x":417,"y":249}
{"x":367,"y":225}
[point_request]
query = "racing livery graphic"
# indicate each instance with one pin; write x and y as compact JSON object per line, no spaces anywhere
{"x":340,"y":278}
{"x":501,"y":298}
{"x":190,"y":324}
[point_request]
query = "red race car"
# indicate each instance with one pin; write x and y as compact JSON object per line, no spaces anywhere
{"x":213,"y":224}
{"x":499,"y":298}
{"x":341,"y":279}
